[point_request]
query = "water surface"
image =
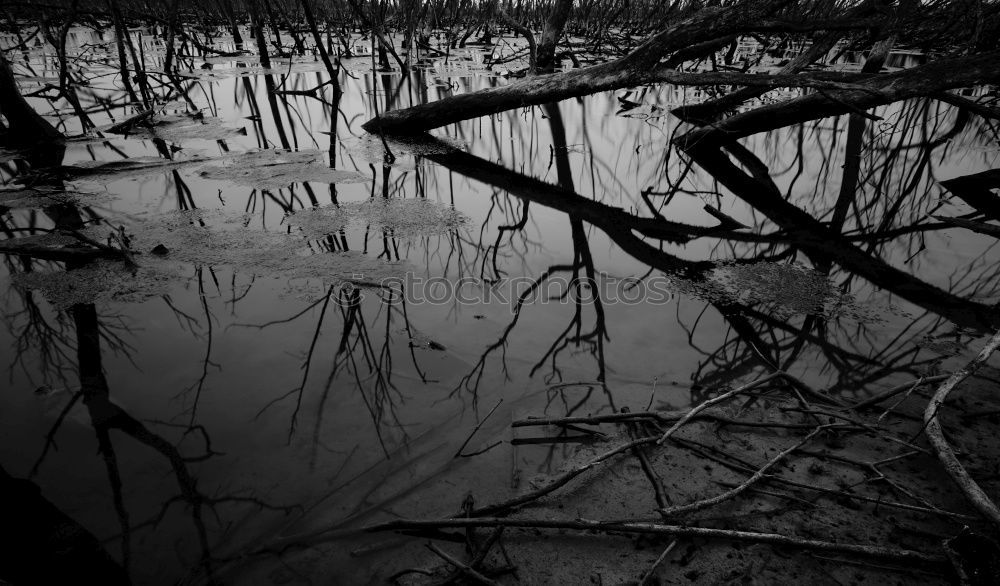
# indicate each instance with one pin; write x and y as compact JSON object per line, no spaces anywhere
{"x":331,"y":322}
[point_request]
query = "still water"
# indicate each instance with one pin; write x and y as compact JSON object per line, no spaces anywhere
{"x":328,"y":324}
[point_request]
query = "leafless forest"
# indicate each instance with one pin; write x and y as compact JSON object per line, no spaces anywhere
{"x":490,"y":292}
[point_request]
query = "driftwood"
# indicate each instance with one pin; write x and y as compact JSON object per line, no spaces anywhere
{"x":905,"y":387}
{"x":904,"y":556}
{"x":944,"y":453}
{"x":980,"y":227}
{"x":757,"y":476}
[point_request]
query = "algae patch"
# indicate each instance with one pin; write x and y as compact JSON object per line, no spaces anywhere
{"x":105,"y":171}
{"x":165,"y":247}
{"x":779,"y":289}
{"x":275,"y":169}
{"x":402,"y":217}
{"x":786,"y":290}
{"x":97,"y":281}
{"x":180,"y":127}
{"x":36,"y":197}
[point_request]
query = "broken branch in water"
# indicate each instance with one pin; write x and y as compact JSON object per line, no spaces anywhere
{"x":465,"y":569}
{"x":721,"y":398}
{"x":758,"y":475}
{"x":935,"y":435}
{"x":903,"y":556}
{"x":660,"y":416}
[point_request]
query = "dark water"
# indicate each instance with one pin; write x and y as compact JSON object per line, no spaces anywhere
{"x":255,"y":382}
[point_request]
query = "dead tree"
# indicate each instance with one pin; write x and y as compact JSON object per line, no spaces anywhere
{"x":545,"y":56}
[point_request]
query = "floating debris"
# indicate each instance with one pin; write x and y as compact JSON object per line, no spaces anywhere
{"x":180,"y":239}
{"x":98,"y":281}
{"x":105,"y":171}
{"x":18,"y":197}
{"x":275,"y":169}
{"x":787,"y":290}
{"x":181,"y":127}
{"x":403,"y":217}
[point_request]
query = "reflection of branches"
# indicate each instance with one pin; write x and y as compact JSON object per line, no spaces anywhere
{"x":298,"y":391}
{"x":354,"y":352}
{"x":199,"y":385}
{"x":106,"y":415}
{"x":583,"y":290}
{"x":50,"y":437}
{"x":379,"y":367}
{"x":761,"y":337}
{"x":757,"y":189}
{"x":49,"y":340}
{"x":470,"y":382}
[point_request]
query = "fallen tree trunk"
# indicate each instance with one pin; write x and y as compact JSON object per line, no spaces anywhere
{"x":712,"y":109}
{"x":633,"y":69}
{"x":980,"y":227}
{"x":544,"y":89}
{"x":924,"y":80}
{"x":839,"y":92}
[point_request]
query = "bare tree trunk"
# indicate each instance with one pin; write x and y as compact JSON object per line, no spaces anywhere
{"x":311,"y":21}
{"x":25,"y":126}
{"x":168,"y":61}
{"x":122,"y":61}
{"x":140,"y":73}
{"x":546,"y":52}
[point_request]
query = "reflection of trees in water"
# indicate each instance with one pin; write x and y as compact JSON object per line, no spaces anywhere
{"x":854,"y":205}
{"x":895,"y":194}
{"x":362,"y":360}
{"x":893,"y":162}
{"x":881,"y":204}
{"x":74,"y":340}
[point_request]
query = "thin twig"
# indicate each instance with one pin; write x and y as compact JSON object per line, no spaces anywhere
{"x":705,"y":405}
{"x":659,"y":560}
{"x":475,"y":429}
{"x":757,"y":476}
{"x":474,"y":575}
